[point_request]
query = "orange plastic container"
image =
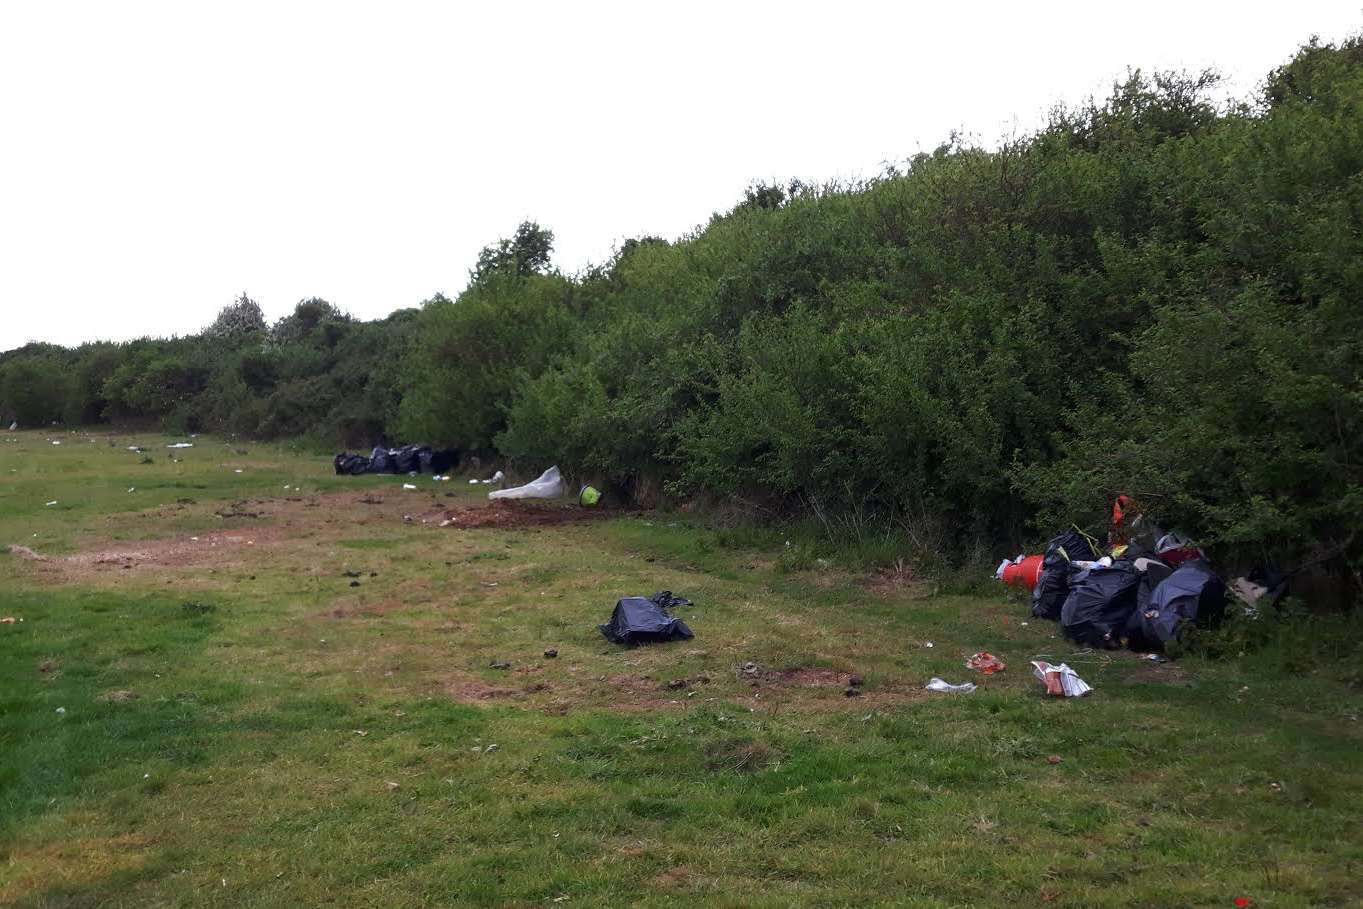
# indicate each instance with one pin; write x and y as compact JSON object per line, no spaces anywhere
{"x":1023,"y":574}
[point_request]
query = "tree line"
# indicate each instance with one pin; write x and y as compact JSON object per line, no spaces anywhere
{"x":1154,"y":293}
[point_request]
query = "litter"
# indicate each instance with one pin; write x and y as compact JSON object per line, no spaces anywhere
{"x":409,"y":459}
{"x":473,"y":482}
{"x":548,"y":485}
{"x":1021,"y":572}
{"x":638,"y":621}
{"x":181,"y":445}
{"x":936,"y":684}
{"x":495,"y":478}
{"x":238,"y":470}
{"x":1192,"y":593}
{"x":986,"y":663}
{"x":53,"y":502}
{"x":9,"y":620}
{"x":132,"y":489}
{"x":588,"y":496}
{"x":408,"y":486}
{"x":1060,"y":680}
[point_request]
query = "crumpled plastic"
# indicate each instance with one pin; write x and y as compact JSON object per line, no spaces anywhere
{"x":1060,"y":680}
{"x":548,"y":485}
{"x":985,"y":662}
{"x":936,"y":684}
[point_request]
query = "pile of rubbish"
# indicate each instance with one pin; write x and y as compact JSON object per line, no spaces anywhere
{"x":1141,"y":591}
{"x":409,"y":459}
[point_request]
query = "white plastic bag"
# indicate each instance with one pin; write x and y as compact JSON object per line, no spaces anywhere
{"x":936,"y":684}
{"x":549,"y":485}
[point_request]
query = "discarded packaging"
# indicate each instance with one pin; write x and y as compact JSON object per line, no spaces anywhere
{"x":548,"y":485}
{"x":985,"y":662}
{"x":1060,"y":680}
{"x":408,"y":486}
{"x":181,"y":445}
{"x":936,"y":684}
{"x":588,"y":496}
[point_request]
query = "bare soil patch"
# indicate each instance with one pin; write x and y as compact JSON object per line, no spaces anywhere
{"x":500,"y":514}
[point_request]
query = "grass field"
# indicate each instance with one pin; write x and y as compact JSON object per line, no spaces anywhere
{"x":242,"y":681}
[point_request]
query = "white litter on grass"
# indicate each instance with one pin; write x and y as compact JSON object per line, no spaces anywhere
{"x":61,"y":710}
{"x":928,"y":644}
{"x":56,"y":442}
{"x":238,"y":470}
{"x":408,"y":486}
{"x":473,"y":482}
{"x":936,"y":684}
{"x":132,"y":489}
{"x":53,"y":502}
{"x":548,"y":485}
{"x":495,"y":478}
{"x":181,"y":445}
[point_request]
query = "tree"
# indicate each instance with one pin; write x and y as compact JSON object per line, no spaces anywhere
{"x":526,"y":253}
{"x":306,"y":317}
{"x":237,"y":320}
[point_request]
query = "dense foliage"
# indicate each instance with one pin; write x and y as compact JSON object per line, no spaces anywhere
{"x":1153,"y":294}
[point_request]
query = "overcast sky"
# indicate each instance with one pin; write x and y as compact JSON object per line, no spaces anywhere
{"x":157,"y":159}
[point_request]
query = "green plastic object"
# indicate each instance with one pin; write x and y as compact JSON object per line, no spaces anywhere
{"x":589,"y":496}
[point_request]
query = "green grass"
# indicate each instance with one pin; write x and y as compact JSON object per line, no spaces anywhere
{"x":277,"y":703}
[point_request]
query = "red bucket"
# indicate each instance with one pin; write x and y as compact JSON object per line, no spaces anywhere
{"x":1023,"y":574}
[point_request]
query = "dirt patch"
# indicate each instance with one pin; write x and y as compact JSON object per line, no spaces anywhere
{"x":1148,"y":672}
{"x":24,"y":552}
{"x":897,"y":580}
{"x":679,"y":876}
{"x":469,"y":690}
{"x":501,"y":513}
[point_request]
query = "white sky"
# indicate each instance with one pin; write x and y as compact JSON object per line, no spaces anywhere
{"x":156,"y":159}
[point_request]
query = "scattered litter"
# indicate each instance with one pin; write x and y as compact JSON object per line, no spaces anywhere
{"x":1060,"y":680}
{"x":408,"y":486}
{"x":491,"y":748}
{"x":1156,"y":658}
{"x":495,"y":478}
{"x":181,"y":445}
{"x":392,"y":786}
{"x":548,"y":485}
{"x":637,"y":620}
{"x":61,"y":710}
{"x":550,"y":653}
{"x":9,"y":620}
{"x":362,"y":732}
{"x":588,"y":496}
{"x":499,"y":664}
{"x":56,"y":442}
{"x":132,"y":489}
{"x":927,"y":644}
{"x":749,"y":669}
{"x":936,"y":684}
{"x":985,"y":662}
{"x":473,"y":482}
{"x":53,"y":502}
